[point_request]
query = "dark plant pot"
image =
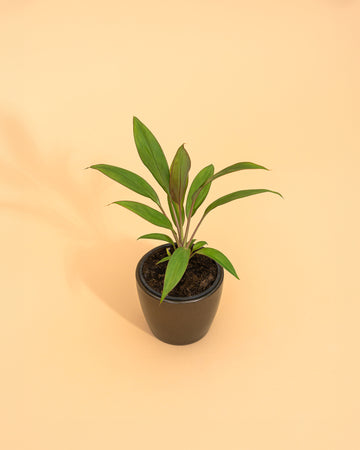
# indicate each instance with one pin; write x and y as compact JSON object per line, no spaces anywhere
{"x":178,"y":320}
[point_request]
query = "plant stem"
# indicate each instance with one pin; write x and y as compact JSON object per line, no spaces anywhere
{"x":172,"y":230}
{"x":176,"y":223}
{"x":197,"y":226}
{"x":194,"y":197}
{"x":181,"y":226}
{"x":188,"y":224}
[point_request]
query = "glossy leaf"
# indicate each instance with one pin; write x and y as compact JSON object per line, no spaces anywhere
{"x":179,"y":175}
{"x":234,"y":196}
{"x":163,"y":260}
{"x":237,"y":166}
{"x":220,"y":258}
{"x":157,"y":236}
{"x":151,"y":153}
{"x":128,"y":179}
{"x":147,"y":213}
{"x":175,"y":270}
{"x":199,"y":245}
{"x":204,"y":175}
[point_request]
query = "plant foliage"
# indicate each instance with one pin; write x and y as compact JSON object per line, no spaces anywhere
{"x":174,"y":181}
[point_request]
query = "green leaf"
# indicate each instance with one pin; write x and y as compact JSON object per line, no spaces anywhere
{"x":151,"y":153}
{"x":220,"y":258}
{"x":204,"y":175}
{"x":157,"y":236}
{"x":237,"y":166}
{"x":176,"y":211}
{"x":175,"y":270}
{"x":234,"y":196}
{"x":199,"y":245}
{"x":147,"y":213}
{"x":128,"y":179}
{"x":163,"y":260}
{"x":179,"y":175}
{"x":205,"y":178}
{"x":191,"y":243}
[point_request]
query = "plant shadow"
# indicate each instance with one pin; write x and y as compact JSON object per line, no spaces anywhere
{"x":43,"y":187}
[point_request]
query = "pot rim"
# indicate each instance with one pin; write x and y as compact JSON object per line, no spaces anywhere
{"x":169,"y":298}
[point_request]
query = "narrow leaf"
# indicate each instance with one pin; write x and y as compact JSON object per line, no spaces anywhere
{"x":163,"y":259}
{"x":175,"y":270}
{"x":179,"y":175}
{"x":199,"y":245}
{"x":157,"y":236}
{"x":204,"y":175}
{"x":151,"y":153}
{"x":191,"y":246}
{"x":128,"y":179}
{"x":220,"y":258}
{"x":147,"y":213}
{"x":238,"y":166}
{"x":234,"y":196}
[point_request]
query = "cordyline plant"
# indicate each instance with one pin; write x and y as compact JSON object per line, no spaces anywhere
{"x":174,"y":182}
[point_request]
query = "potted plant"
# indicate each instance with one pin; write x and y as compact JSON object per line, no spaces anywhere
{"x":179,"y":283}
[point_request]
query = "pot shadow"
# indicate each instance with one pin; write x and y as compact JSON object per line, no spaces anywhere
{"x":103,"y":266}
{"x":41,"y":186}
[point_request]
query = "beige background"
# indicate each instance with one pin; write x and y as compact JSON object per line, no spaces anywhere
{"x":276,"y":83}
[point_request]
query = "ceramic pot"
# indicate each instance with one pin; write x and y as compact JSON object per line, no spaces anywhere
{"x":178,"y":320}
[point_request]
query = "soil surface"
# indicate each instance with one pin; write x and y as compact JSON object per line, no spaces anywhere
{"x":199,"y":275}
